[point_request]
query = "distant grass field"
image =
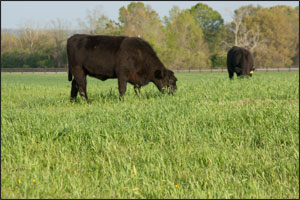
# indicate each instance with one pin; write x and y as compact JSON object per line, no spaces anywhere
{"x":214,"y":138}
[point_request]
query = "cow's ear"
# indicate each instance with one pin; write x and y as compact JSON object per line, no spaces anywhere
{"x":238,"y":70}
{"x":158,"y":74}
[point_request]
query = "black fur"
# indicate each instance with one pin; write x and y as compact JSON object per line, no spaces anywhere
{"x":240,"y":61}
{"x":129,"y":59}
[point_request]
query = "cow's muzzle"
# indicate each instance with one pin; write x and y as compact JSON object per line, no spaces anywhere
{"x":172,"y":90}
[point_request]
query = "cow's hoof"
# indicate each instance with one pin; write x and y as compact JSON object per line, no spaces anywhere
{"x":72,"y":99}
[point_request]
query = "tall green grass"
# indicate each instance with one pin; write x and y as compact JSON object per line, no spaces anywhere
{"x":214,"y":138}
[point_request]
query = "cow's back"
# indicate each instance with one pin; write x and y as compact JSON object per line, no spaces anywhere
{"x":239,"y":60}
{"x":238,"y":56}
{"x":100,"y":45}
{"x":234,"y":56}
{"x":95,"y":53}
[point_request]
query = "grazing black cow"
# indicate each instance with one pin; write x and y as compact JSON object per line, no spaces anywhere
{"x":240,"y":61}
{"x":129,"y":59}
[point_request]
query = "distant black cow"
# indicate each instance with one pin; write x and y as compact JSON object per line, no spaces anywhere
{"x":240,"y":61}
{"x":129,"y":59}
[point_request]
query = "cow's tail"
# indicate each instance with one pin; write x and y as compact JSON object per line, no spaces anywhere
{"x":69,"y":62}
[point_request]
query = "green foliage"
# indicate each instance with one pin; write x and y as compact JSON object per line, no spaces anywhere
{"x":19,"y":59}
{"x":249,"y":10}
{"x":138,"y":20}
{"x":112,"y":28}
{"x":214,"y":138}
{"x":210,"y":22}
{"x":185,"y":44}
{"x":218,"y":61}
{"x":173,"y":14}
{"x":280,"y":45}
{"x":13,"y":59}
{"x":208,"y":18}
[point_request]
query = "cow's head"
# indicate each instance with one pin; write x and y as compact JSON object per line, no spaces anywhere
{"x":246,"y":65}
{"x":243,"y":72}
{"x":251,"y":71}
{"x":167,"y":80}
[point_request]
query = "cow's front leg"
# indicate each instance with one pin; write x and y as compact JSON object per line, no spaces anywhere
{"x":82,"y":88}
{"x":230,"y":75}
{"x":122,"y":83}
{"x":159,"y":85}
{"x":137,"y":89}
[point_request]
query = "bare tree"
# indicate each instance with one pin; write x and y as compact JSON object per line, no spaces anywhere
{"x":95,"y":21}
{"x":59,"y":32}
{"x":237,"y":22}
{"x":249,"y":38}
{"x":30,"y":34}
{"x":243,"y":37}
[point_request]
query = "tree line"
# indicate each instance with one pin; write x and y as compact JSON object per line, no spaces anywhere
{"x":186,"y":38}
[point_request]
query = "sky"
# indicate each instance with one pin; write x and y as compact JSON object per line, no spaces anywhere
{"x":14,"y":13}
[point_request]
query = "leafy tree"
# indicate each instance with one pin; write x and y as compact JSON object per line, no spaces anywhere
{"x":218,"y":60}
{"x":140,"y":20}
{"x":23,"y":58}
{"x":173,"y":14}
{"x":112,"y":28}
{"x":294,"y":22}
{"x":8,"y":42}
{"x":210,"y":22}
{"x":279,"y":47}
{"x":185,"y":44}
{"x":134,"y":16}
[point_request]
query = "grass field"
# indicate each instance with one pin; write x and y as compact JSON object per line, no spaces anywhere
{"x":214,"y":138}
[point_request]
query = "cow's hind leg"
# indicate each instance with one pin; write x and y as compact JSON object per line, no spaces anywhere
{"x":80,"y":78}
{"x":74,"y":90}
{"x":82,"y":87}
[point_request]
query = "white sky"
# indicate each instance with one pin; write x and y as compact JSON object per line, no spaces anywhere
{"x":42,"y":12}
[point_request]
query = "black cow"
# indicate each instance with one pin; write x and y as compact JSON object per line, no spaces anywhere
{"x":240,"y":61}
{"x":129,"y":59}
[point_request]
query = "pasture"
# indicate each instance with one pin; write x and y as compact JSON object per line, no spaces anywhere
{"x":214,"y":138}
